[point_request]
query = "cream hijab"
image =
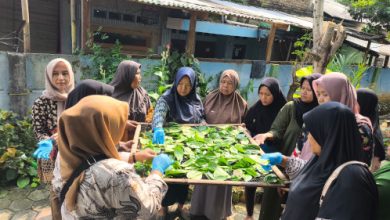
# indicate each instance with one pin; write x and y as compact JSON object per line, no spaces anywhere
{"x":51,"y":91}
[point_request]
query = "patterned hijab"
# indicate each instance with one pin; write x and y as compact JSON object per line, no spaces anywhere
{"x":138,"y":99}
{"x":341,"y":90}
{"x":222,"y":109}
{"x":92,"y":127}
{"x":51,"y":91}
{"x":188,"y":109}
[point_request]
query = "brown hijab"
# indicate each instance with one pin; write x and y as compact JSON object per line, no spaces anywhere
{"x":222,"y":109}
{"x":92,"y":127}
{"x":51,"y":91}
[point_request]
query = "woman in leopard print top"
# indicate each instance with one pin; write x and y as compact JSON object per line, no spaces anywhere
{"x":46,"y":109}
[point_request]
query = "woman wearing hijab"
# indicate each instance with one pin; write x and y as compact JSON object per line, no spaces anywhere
{"x":285,"y":134}
{"x":127,"y":88}
{"x":334,"y":138}
{"x":59,"y":81}
{"x":222,"y":106}
{"x":182,"y":105}
{"x":96,"y":181}
{"x":368,"y":105}
{"x":85,"y":88}
{"x":259,"y":120}
{"x":336,"y":87}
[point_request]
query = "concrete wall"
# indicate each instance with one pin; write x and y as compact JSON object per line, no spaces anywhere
{"x":377,"y":79}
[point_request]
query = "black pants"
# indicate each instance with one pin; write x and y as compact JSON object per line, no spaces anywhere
{"x":176,"y":193}
{"x":250,"y":193}
{"x":271,"y":208}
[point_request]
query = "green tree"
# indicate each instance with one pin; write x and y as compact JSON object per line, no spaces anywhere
{"x":376,"y":11}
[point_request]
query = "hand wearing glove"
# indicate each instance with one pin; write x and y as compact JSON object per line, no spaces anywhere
{"x":273,"y":159}
{"x":158,"y":136}
{"x":44,"y":149}
{"x":161,"y":163}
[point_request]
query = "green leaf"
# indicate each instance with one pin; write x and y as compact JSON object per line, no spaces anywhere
{"x":179,"y":153}
{"x":195,"y":175}
{"x":220,"y":174}
{"x":23,"y":182}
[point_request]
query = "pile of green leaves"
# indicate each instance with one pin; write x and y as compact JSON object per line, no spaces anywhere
{"x":16,"y":146}
{"x":209,"y":152}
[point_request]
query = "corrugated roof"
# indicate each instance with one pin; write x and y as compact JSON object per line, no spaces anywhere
{"x":230,"y":8}
{"x":382,"y":49}
{"x":338,"y":10}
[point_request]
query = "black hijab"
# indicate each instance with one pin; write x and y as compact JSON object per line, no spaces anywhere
{"x":303,"y":107}
{"x":138,"y":99}
{"x":334,"y":127}
{"x":188,"y":109}
{"x":85,"y":88}
{"x":368,"y":104}
{"x":259,"y":117}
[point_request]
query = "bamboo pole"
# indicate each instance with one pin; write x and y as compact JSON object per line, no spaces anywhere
{"x":26,"y":28}
{"x":73,"y":24}
{"x":136,"y":138}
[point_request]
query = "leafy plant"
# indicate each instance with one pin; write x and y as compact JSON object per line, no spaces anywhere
{"x":165,"y":71}
{"x":104,"y":60}
{"x":16,"y":145}
{"x":208,"y":152}
{"x":347,"y":64}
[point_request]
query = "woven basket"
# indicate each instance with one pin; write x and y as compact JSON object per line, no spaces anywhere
{"x":45,"y":170}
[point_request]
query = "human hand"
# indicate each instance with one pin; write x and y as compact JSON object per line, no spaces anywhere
{"x":375,"y":164}
{"x":146,"y":154}
{"x":260,"y":138}
{"x":44,"y":149}
{"x":161,"y":163}
{"x":125,"y":146}
{"x":54,"y":137}
{"x":273,"y":159}
{"x":158,"y":136}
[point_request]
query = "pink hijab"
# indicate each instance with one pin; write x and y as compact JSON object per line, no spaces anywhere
{"x":341,"y":90}
{"x":51,"y":91}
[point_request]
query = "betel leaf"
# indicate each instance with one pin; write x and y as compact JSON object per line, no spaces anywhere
{"x":195,"y":175}
{"x":175,"y":173}
{"x":179,"y":153}
{"x":220,"y":174}
{"x":210,"y":152}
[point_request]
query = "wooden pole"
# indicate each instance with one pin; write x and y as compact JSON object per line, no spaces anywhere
{"x":26,"y":28}
{"x":73,"y":24}
{"x":386,"y":62}
{"x":367,"y":51}
{"x":270,"y":43}
{"x":190,"y":46}
{"x":85,"y":25}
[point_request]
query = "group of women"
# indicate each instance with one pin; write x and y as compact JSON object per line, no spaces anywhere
{"x":94,"y":178}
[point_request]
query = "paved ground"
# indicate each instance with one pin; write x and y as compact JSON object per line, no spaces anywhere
{"x":26,"y":204}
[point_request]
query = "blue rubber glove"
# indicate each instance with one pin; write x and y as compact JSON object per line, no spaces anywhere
{"x":44,"y":149}
{"x":158,"y":136}
{"x":161,"y":163}
{"x":273,"y":159}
